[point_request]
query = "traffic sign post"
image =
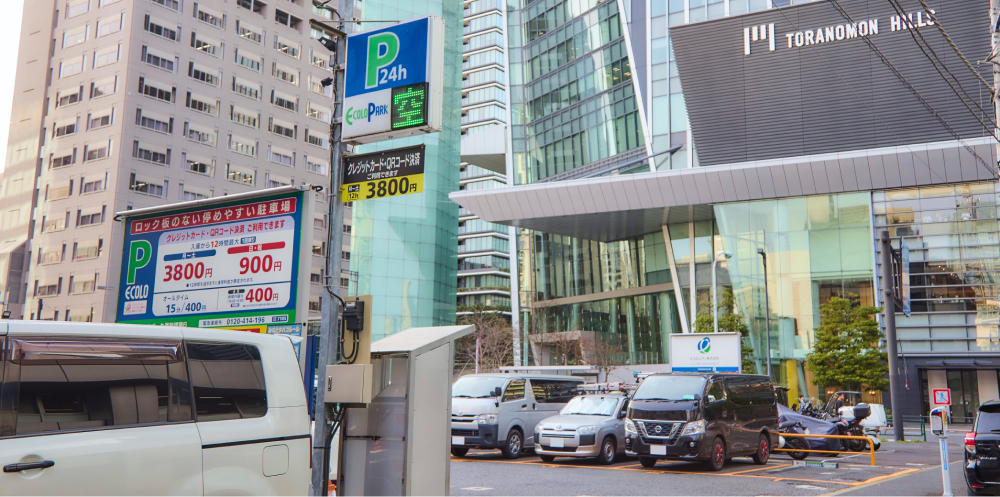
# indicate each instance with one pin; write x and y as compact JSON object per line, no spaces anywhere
{"x":939,"y":427}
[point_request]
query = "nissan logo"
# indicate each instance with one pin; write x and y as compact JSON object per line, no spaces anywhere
{"x":658,"y":429}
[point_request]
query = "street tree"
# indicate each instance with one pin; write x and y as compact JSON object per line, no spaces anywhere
{"x":846,"y":351}
{"x":729,"y":322}
{"x":496,"y":341}
{"x":604,"y":354}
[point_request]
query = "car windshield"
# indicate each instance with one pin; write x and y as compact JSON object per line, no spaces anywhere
{"x":476,"y":387}
{"x":988,"y":420}
{"x":591,"y":406}
{"x":670,"y":388}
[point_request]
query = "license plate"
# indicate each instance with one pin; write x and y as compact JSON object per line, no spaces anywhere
{"x":458,"y":440}
{"x":657,"y":450}
{"x":557,"y":443}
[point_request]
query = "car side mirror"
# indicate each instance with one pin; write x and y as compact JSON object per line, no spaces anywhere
{"x":496,"y":392}
{"x":711,"y":398}
{"x":621,"y":414}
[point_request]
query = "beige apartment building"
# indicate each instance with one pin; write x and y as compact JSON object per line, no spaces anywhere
{"x":126,"y":104}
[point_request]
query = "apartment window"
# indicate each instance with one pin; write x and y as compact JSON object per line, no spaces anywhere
{"x":100,"y":119}
{"x":250,"y":33}
{"x":65,"y":128}
{"x":314,"y":305}
{"x":344,"y":282}
{"x":150,"y":153}
{"x":275,"y":181}
{"x":96,"y":152}
{"x":72,"y":67}
{"x":76,"y":7}
{"x":206,"y":45}
{"x":202,"y":104}
{"x":313,"y":139}
{"x":204,"y":74}
{"x":287,"y":19}
{"x":316,"y":86}
{"x":316,"y":166}
{"x":74,"y":37}
{"x":248,"y":60}
{"x":287,"y":47}
{"x":90,"y":216}
{"x":102,"y":88}
{"x":154,"y":122}
{"x":346,"y":256}
{"x":198,"y":134}
{"x":199,"y":165}
{"x":161,"y":28}
{"x":102,"y":3}
{"x":82,"y":284}
{"x":320,"y":223}
{"x":147,"y":186}
{"x":318,"y":113}
{"x":211,"y":18}
{"x":170,"y":4}
{"x":110,"y":25}
{"x":315,"y":278}
{"x":51,"y":255}
{"x":246,"y":88}
{"x":55,"y":223}
{"x":158,"y":59}
{"x":287,"y":130}
{"x":53,"y":193}
{"x":89,"y":249}
{"x":80,"y":315}
{"x":189,"y":193}
{"x":284,"y":101}
{"x":62,"y":160}
{"x":153,"y":90}
{"x":320,"y":60}
{"x":251,"y":5}
{"x":243,"y":146}
{"x":283,"y":157}
{"x":47,"y":287}
{"x":106,"y":56}
{"x":243,"y":116}
{"x":319,"y":248}
{"x":69,"y":97}
{"x":92,"y":186}
{"x":240,"y":175}
{"x":286,"y":74}
{"x":347,"y":229}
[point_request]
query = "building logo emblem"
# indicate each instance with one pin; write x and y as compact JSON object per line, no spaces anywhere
{"x":705,"y":345}
{"x":758,"y":33}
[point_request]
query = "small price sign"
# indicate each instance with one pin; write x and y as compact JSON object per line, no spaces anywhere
{"x":383,"y":174}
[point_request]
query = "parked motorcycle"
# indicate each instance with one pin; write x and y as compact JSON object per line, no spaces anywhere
{"x":798,"y":444}
{"x":852,"y":426}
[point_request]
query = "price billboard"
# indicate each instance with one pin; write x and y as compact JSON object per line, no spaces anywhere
{"x":393,"y":81}
{"x":383,"y":174}
{"x":218,"y":264}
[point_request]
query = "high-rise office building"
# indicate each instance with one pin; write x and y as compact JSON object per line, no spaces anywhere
{"x":803,"y":129}
{"x":125,"y":104}
{"x":483,"y":247}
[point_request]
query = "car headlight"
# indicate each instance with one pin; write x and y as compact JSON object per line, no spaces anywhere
{"x":587,"y":430}
{"x":630,"y":426}
{"x":487,"y":419}
{"x":694,"y":428}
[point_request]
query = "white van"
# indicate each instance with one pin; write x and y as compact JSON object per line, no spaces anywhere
{"x":500,"y":411}
{"x":126,"y":409}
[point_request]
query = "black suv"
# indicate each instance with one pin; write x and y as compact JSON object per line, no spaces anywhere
{"x":702,"y":417}
{"x":982,"y":450}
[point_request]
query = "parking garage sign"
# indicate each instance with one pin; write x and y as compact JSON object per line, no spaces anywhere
{"x":224,"y":265}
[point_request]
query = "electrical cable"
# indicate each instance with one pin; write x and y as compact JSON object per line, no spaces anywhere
{"x":957,"y":51}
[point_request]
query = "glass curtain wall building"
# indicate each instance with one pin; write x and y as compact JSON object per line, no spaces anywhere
{"x":404,"y":248}
{"x":612,"y":248}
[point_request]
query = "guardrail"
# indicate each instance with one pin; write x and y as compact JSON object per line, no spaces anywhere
{"x":908,"y":428}
{"x":871,"y":446}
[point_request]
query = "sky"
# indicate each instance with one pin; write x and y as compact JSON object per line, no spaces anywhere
{"x":10,"y":34}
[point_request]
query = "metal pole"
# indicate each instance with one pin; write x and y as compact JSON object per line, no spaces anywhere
{"x":330,"y":304}
{"x":890,"y":336}
{"x":715,"y":289}
{"x":767,"y":314}
{"x":945,"y":471}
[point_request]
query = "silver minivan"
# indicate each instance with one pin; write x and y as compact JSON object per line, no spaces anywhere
{"x":497,"y":411}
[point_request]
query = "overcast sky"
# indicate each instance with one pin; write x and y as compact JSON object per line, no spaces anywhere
{"x":10,"y":34}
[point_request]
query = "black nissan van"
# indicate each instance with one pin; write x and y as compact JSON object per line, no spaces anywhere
{"x":702,"y":417}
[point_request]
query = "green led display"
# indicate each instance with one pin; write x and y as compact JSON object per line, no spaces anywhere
{"x":409,"y":106}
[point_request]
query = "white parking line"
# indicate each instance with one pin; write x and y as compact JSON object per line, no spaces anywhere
{"x":477,"y":489}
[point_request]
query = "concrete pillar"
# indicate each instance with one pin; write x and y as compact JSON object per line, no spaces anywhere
{"x":667,"y":324}
{"x":575,"y":318}
{"x":614,"y":317}
{"x":936,"y":378}
{"x":987,"y":385}
{"x":792,"y":378}
{"x":630,"y":318}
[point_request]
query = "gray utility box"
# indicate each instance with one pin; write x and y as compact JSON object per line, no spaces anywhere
{"x":400,"y":444}
{"x":348,"y":384}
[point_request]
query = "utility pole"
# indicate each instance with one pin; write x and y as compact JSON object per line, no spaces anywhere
{"x":331,"y":302}
{"x":767,"y":313}
{"x":888,"y":285}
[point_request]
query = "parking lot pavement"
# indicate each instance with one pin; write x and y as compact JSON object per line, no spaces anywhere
{"x":901,"y":469}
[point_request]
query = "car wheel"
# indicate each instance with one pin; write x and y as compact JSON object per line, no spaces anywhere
{"x":717,"y":458}
{"x":546,"y":458}
{"x":459,"y":451}
{"x":608,"y":451}
{"x":763,"y":450}
{"x":515,"y":442}
{"x":647,"y":462}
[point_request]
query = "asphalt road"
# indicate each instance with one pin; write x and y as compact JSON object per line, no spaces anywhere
{"x":901,"y":469}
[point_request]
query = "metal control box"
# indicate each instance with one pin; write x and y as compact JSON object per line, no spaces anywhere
{"x":349,"y":384}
